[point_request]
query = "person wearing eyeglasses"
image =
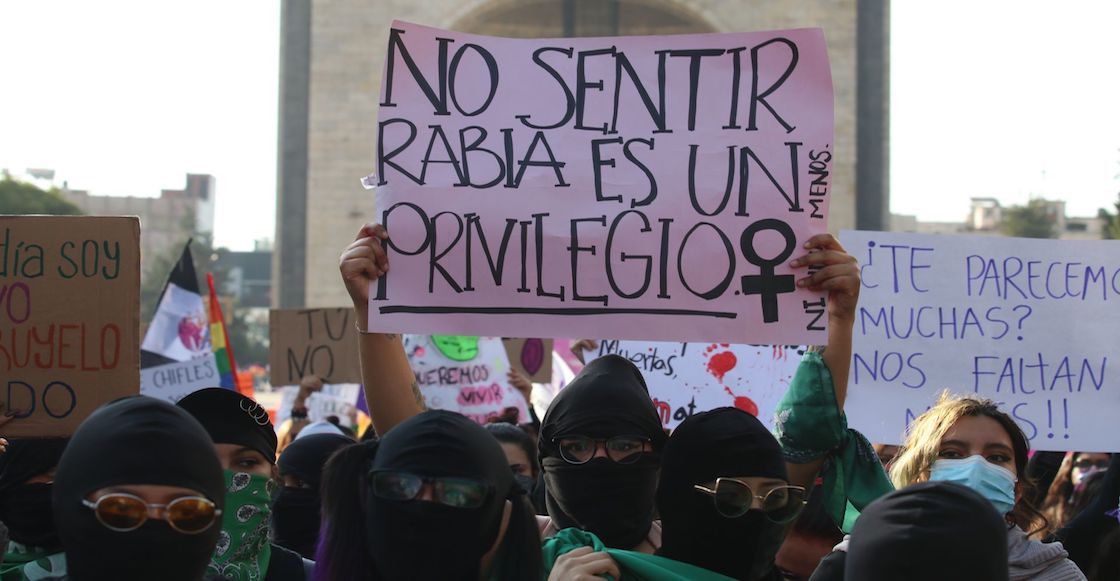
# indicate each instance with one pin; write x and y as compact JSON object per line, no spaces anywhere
{"x":245,"y":442}
{"x":26,"y":478}
{"x":1066,"y":497}
{"x":600,"y":448}
{"x":434,"y":498}
{"x":724,"y":495}
{"x":138,"y":495}
{"x":604,"y":421}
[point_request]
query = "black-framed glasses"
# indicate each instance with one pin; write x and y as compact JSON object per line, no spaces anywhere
{"x":124,"y":512}
{"x":733,"y":498}
{"x":620,"y":449}
{"x":449,"y":491}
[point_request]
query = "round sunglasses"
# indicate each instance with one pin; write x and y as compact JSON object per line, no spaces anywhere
{"x":733,"y":498}
{"x":123,"y":512}
{"x":449,"y":491}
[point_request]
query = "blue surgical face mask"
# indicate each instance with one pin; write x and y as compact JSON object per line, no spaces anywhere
{"x":995,"y":483}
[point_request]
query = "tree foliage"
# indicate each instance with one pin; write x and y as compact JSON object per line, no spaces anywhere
{"x":18,"y":197}
{"x":1031,"y":221}
{"x":1110,"y":230}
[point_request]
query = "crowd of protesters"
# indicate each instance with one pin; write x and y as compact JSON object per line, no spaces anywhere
{"x":205,"y":489}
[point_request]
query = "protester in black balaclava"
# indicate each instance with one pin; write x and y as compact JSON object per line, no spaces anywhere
{"x":134,"y":451}
{"x":600,"y":448}
{"x":714,"y":467}
{"x":26,"y":472}
{"x":295,"y":512}
{"x":432,"y":497}
{"x":245,"y":442}
{"x":933,"y":531}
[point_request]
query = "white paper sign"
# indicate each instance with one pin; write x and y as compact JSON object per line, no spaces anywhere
{"x":465,"y":375}
{"x":686,"y":378}
{"x":336,"y":399}
{"x":1031,"y":324}
{"x":174,"y":381}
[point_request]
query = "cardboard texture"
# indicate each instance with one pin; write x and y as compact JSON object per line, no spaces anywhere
{"x":320,"y":342}
{"x":69,"y":306}
{"x":531,"y":357}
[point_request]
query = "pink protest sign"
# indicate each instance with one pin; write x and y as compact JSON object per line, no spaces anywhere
{"x":637,"y":187}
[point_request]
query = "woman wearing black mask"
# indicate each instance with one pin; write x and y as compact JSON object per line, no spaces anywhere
{"x":521,"y":453}
{"x":295,"y":513}
{"x":245,"y":442}
{"x":433,"y":499}
{"x":138,"y":495}
{"x":600,"y":448}
{"x":724,"y":495}
{"x":26,"y":475}
{"x":614,"y":436}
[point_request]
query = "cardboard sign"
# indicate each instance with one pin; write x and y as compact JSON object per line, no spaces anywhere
{"x":174,"y":381}
{"x":635,"y":187}
{"x":320,"y":342}
{"x":531,"y":357}
{"x":686,"y":378}
{"x":69,"y":301}
{"x":1030,"y":324}
{"x":464,"y":374}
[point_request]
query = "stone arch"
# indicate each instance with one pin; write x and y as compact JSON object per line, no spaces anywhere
{"x":544,"y":18}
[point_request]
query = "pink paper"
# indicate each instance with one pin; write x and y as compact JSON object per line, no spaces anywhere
{"x":593,"y":225}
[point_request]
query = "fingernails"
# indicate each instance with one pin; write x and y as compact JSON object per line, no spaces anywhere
{"x":803,"y":282}
{"x":795,"y":263}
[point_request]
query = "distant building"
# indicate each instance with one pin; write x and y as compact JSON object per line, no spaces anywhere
{"x":166,"y":222}
{"x":249,"y":279}
{"x":985,"y":217}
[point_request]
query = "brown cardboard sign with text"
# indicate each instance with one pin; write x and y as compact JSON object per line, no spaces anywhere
{"x":70,"y":312}
{"x":320,"y":342}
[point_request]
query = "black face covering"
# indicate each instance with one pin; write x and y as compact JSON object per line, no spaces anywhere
{"x":295,"y":512}
{"x":28,"y":515}
{"x":26,"y":508}
{"x":427,"y":540}
{"x":724,"y":442}
{"x":135,"y":440}
{"x":926,"y":532}
{"x":614,"y":501}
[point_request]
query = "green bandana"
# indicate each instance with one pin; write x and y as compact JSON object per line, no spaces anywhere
{"x":243,"y":550}
{"x":23,"y":563}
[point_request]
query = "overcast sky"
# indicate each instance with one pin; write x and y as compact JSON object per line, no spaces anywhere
{"x":1003,"y":98}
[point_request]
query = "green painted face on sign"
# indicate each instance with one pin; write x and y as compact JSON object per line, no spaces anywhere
{"x":457,"y":347}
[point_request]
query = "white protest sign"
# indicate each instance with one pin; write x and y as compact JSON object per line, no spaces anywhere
{"x":638,"y":187}
{"x":335,"y":399}
{"x":1028,"y":323}
{"x":174,"y":381}
{"x":320,"y":406}
{"x":464,"y":374}
{"x":686,"y":378}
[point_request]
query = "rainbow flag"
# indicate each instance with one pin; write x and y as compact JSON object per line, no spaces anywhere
{"x":219,"y":343}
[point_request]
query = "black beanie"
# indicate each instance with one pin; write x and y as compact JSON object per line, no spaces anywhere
{"x":231,"y":418}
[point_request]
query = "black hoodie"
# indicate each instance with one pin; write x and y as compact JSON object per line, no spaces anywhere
{"x":614,"y":501}
{"x":933,"y":531}
{"x":135,"y":440}
{"x":720,"y":443}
